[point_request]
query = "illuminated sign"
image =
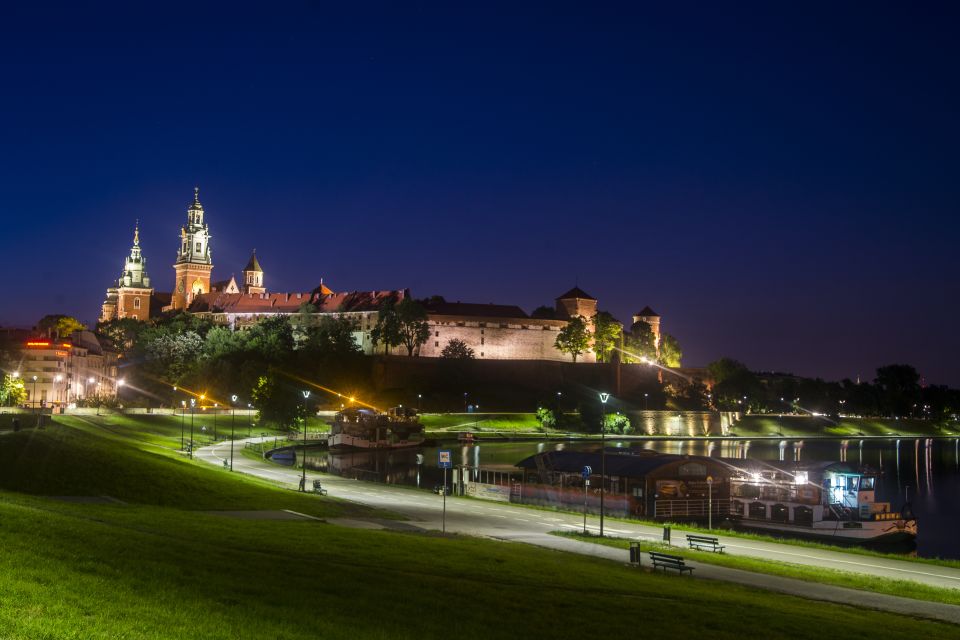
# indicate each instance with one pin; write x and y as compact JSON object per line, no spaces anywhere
{"x":38,"y":343}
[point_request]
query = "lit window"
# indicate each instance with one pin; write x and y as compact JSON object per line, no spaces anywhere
{"x":136,"y":303}
{"x":198,"y":247}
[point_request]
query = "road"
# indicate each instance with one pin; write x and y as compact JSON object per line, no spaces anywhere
{"x":533,"y":526}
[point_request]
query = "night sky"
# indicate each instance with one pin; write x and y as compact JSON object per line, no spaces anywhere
{"x":779,"y":182}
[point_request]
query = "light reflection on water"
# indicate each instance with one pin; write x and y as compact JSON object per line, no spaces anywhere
{"x":930,"y":478}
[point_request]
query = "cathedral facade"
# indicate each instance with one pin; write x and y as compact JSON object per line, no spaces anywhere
{"x":493,"y":331}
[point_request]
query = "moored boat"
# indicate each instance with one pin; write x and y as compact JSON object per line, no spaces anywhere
{"x":821,"y":500}
{"x":368,"y":429}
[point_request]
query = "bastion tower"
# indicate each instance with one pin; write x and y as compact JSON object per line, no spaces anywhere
{"x":194,"y":262}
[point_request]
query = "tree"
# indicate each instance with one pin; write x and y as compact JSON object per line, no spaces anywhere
{"x":333,"y":337}
{"x":412,"y":324}
{"x":617,"y":423}
{"x":277,"y":404}
{"x":271,"y":338}
{"x":640,"y":343}
{"x":122,"y":333}
{"x":606,"y":335}
{"x":60,"y":326}
{"x":173,"y":355}
{"x":457,"y":349}
{"x":732,"y":381}
{"x":899,"y":387}
{"x":544,"y":313}
{"x":670,"y":352}
{"x":573,"y":339}
{"x":546,"y":418}
{"x":12,"y":391}
{"x":387,"y":329}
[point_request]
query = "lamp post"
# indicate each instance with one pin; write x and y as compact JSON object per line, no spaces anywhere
{"x":603,"y":454}
{"x":303,"y":479}
{"x":35,"y":403}
{"x":709,"y":502}
{"x":216,"y":405}
{"x":233,"y":421}
{"x":249,"y":419}
{"x":183,"y":411}
{"x":419,"y":399}
{"x":193,"y":404}
{"x":464,"y":401}
{"x":645,"y":396}
{"x":120,"y":384}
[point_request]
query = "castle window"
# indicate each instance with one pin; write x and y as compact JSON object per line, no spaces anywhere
{"x":136,"y":303}
{"x":198,"y":247}
{"x":481,"y":340}
{"x":481,"y":354}
{"x":436,"y":344}
{"x":437,"y":334}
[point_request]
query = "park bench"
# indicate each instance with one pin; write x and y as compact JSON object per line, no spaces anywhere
{"x":669,"y":562}
{"x":705,"y":542}
{"x":318,"y":488}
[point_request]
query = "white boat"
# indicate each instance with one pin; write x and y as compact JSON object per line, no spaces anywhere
{"x":367,"y":429}
{"x":822,"y":500}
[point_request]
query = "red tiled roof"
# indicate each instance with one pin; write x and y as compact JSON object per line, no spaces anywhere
{"x":479,"y":310}
{"x":353,"y":301}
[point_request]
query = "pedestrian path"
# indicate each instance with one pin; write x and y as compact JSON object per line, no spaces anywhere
{"x":533,"y":526}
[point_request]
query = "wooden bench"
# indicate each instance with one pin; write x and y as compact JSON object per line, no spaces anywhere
{"x":669,"y":562}
{"x":705,"y":542}
{"x":318,"y":488}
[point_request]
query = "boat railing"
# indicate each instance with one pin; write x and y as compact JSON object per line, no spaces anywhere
{"x":690,"y":508}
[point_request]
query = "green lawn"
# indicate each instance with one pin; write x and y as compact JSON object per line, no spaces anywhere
{"x":772,"y":425}
{"x":525,"y":422}
{"x":904,"y":588}
{"x":161,"y":568}
{"x":71,"y":571}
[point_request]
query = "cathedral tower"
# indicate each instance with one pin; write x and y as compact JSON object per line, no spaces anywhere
{"x":194,"y":263}
{"x":131,"y":297}
{"x":253,"y":276}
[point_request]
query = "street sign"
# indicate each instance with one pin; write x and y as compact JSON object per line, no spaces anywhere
{"x":444,"y":459}
{"x":587,"y":472}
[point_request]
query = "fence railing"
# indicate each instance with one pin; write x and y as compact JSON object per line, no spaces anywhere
{"x":690,"y":508}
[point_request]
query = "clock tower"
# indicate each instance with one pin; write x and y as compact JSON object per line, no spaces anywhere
{"x":194,"y":263}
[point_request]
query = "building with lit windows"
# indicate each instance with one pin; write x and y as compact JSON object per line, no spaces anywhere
{"x":492,"y":331}
{"x":58,"y":373}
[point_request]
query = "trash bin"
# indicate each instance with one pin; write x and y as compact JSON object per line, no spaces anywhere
{"x":635,"y":553}
{"x":666,"y":534}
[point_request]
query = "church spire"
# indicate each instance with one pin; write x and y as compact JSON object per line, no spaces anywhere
{"x":136,"y":233}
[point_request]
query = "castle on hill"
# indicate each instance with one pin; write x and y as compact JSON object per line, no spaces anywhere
{"x":493,"y":331}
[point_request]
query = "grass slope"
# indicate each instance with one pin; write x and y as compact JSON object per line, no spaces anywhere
{"x":903,"y":588}
{"x":159,"y":569}
{"x":146,"y":572}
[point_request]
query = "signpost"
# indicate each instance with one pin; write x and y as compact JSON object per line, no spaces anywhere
{"x":444,"y":461}
{"x":587,"y":471}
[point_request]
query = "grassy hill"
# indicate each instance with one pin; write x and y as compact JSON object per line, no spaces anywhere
{"x":162,"y":568}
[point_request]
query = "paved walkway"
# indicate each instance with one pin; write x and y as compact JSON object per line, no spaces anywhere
{"x":522,"y":524}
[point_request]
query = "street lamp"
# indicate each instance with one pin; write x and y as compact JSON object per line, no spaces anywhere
{"x":464,"y":401}
{"x":303,"y":479}
{"x":645,"y":397}
{"x":120,"y":384}
{"x":249,"y":419}
{"x":183,"y":412}
{"x":216,"y":405}
{"x":193,"y":404}
{"x":603,"y":454}
{"x":57,"y":379}
{"x":419,"y":398}
{"x":36,"y":404}
{"x":709,"y":502}
{"x":233,"y":420}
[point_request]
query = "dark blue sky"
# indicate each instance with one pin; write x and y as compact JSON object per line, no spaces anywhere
{"x":779,"y":182}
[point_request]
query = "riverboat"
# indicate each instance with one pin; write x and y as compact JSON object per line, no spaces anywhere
{"x":368,"y":429}
{"x":820,"y":500}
